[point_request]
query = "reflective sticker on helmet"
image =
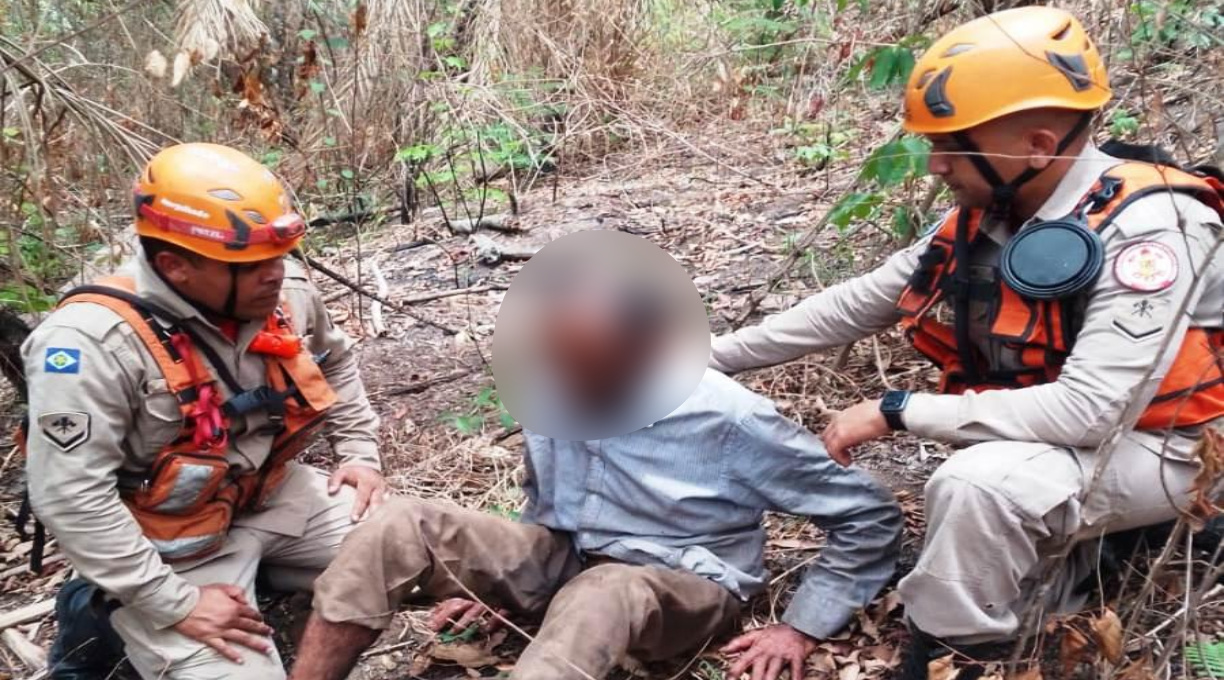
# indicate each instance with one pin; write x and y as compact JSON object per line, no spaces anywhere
{"x":1146,"y":267}
{"x":184,"y":209}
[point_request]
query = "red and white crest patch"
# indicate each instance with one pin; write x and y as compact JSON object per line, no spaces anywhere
{"x":1146,"y":267}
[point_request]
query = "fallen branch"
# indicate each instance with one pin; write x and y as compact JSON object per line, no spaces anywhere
{"x":376,"y":307}
{"x":25,"y":568}
{"x":491,"y":252}
{"x":422,"y":385}
{"x":26,"y":614}
{"x":33,"y":656}
{"x":502,"y":223}
{"x":345,"y":281}
{"x":471,"y":290}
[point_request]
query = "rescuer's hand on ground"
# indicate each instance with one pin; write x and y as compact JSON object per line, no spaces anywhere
{"x":769,"y":651}
{"x":224,"y":615}
{"x":370,"y":485}
{"x":458,"y":614}
{"x":860,"y":423}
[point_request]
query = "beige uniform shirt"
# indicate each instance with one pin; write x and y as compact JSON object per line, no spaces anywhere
{"x":1122,"y":334}
{"x":99,"y":404}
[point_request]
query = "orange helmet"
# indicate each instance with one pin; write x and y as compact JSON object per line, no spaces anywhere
{"x":217,"y":202}
{"x":1014,"y":60}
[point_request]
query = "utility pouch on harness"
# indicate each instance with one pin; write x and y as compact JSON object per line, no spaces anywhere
{"x":186,"y":501}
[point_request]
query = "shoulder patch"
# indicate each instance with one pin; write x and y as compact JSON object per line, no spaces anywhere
{"x":62,"y":360}
{"x":1146,"y":267}
{"x":1140,"y":317}
{"x":65,"y":429}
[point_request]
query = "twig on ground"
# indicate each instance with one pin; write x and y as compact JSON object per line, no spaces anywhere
{"x":507,"y":622}
{"x":344,"y":280}
{"x":376,"y":305}
{"x":33,"y":656}
{"x":26,"y":614}
{"x":427,"y":297}
{"x":422,"y":385}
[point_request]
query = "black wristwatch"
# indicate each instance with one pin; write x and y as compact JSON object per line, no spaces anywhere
{"x":893,"y":406}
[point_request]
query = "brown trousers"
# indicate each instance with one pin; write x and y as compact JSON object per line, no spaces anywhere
{"x":594,"y":619}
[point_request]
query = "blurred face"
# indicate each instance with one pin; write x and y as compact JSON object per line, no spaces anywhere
{"x":597,"y":348}
{"x":208,"y":283}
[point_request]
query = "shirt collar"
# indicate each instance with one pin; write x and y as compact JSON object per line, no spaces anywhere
{"x":154,"y":288}
{"x":1080,"y":177}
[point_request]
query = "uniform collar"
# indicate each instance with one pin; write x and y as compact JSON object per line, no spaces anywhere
{"x":153,"y":288}
{"x":1080,"y":177}
{"x":1079,"y":180}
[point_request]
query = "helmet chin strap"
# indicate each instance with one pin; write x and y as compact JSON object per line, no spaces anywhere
{"x":231,"y":300}
{"x":1003,"y":194}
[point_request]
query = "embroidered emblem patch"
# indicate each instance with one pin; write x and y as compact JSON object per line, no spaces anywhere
{"x":1146,"y":267}
{"x":1141,"y":317}
{"x":65,"y":429}
{"x":62,"y":360}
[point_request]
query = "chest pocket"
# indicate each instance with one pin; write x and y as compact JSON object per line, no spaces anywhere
{"x":158,"y":418}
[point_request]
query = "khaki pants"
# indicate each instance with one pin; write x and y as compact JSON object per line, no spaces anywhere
{"x":593,"y":619}
{"x":996,"y":510}
{"x":292,"y":562}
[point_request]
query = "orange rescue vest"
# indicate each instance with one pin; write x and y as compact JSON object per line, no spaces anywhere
{"x":188,"y":498}
{"x":1043,"y":331}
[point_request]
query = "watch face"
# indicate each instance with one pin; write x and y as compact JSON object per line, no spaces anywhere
{"x":894,"y":401}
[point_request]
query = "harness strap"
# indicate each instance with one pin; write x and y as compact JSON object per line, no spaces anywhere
{"x":179,"y":324}
{"x":960,"y":277}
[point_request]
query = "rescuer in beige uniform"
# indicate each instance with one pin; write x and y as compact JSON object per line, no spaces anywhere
{"x":1080,"y":291}
{"x":167,"y":405}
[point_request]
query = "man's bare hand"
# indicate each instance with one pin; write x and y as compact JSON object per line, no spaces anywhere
{"x":370,"y":485}
{"x":856,"y":425}
{"x":769,"y":651}
{"x":224,"y":615}
{"x":457,"y":615}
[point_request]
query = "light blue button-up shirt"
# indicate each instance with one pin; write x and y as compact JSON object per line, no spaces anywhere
{"x":689,"y":492}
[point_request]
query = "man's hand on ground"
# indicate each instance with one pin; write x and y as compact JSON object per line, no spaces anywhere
{"x":370,"y":485}
{"x":768,"y":651}
{"x":860,"y":423}
{"x":223,"y":615}
{"x":457,"y":615}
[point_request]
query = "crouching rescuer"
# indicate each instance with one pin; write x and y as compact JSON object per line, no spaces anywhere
{"x":167,"y":406}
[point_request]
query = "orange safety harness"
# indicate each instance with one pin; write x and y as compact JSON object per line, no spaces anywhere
{"x":1043,"y":331}
{"x":186,"y":502}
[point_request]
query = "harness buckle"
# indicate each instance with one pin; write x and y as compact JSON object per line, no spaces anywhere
{"x":261,"y":398}
{"x":1103,"y":195}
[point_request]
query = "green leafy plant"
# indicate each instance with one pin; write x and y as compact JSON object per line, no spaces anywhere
{"x":887,"y":66}
{"x":889,"y":166}
{"x":1123,"y":123}
{"x":816,"y":144}
{"x":485,"y":407}
{"x":1179,"y":24}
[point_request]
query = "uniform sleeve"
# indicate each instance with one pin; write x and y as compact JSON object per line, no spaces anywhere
{"x":80,"y":413}
{"x":352,"y":421}
{"x":1123,"y":332}
{"x":840,"y":314}
{"x":786,"y":469}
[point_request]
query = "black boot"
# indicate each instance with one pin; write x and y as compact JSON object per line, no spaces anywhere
{"x":86,"y":646}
